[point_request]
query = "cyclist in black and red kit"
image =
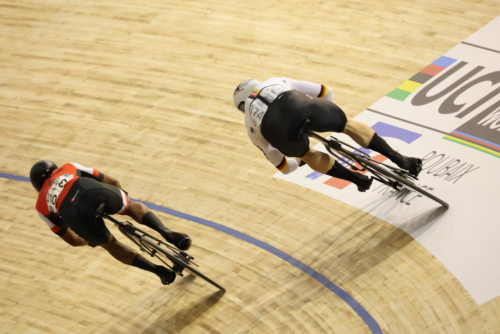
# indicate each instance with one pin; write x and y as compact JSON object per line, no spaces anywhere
{"x":68,"y":200}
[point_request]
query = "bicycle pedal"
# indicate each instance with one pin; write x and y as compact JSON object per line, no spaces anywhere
{"x":397,"y":185}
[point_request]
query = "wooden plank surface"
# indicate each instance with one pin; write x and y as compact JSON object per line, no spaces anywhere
{"x":142,"y":92}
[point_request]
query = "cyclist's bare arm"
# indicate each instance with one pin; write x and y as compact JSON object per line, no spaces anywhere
{"x":96,"y":175}
{"x":73,"y":239}
{"x":111,"y":181}
{"x":59,"y":227}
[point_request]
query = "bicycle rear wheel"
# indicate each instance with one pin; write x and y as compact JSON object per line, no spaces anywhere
{"x":391,"y":175}
{"x":179,"y":260}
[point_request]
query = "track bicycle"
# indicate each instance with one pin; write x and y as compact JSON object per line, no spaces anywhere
{"x":359,"y":161}
{"x":171,"y":257}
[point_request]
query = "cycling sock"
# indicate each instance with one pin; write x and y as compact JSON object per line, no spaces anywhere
{"x":379,"y":145}
{"x":144,"y":264}
{"x":151,"y":221}
{"x":343,"y":173}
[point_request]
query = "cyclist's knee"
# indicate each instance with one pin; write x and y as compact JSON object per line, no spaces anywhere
{"x":349,"y":125}
{"x":309,"y":154}
{"x":318,"y":161}
{"x":114,"y":245}
{"x":111,"y":243}
{"x":136,"y":210}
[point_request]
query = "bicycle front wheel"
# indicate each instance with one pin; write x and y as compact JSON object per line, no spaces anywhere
{"x":395,"y":177}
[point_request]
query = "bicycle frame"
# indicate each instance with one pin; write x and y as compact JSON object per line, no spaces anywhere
{"x":350,"y":156}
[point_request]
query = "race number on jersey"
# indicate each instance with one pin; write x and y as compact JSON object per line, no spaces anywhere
{"x":257,"y":111}
{"x":55,"y":190}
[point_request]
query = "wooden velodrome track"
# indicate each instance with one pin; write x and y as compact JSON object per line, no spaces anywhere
{"x":142,"y":91}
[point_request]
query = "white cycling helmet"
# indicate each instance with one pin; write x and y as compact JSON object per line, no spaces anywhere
{"x":242,"y":91}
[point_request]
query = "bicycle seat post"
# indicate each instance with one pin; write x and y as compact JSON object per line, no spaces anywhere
{"x":303,"y":128}
{"x":100,"y":210}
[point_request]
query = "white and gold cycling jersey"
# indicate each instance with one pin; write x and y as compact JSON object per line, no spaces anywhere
{"x":255,"y":110}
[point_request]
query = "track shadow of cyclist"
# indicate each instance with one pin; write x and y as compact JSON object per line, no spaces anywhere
{"x":364,"y":241}
{"x":175,"y":323}
{"x":421,"y":223}
{"x":167,"y":309}
{"x":415,"y":225}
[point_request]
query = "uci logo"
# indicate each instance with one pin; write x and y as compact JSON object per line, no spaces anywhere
{"x":463,"y":90}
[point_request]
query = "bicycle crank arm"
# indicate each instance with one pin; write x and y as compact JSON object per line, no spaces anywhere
{"x":178,"y":269}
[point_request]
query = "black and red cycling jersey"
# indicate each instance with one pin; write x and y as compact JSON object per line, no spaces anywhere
{"x":55,"y":189}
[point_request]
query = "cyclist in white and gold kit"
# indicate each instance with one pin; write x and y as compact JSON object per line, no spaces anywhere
{"x":276,"y":109}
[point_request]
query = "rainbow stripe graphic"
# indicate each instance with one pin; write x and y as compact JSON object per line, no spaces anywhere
{"x":409,"y":86}
{"x":474,"y":142}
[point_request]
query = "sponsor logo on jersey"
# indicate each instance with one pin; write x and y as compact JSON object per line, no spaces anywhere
{"x":73,"y":199}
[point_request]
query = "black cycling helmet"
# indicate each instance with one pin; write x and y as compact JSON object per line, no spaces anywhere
{"x":41,"y":172}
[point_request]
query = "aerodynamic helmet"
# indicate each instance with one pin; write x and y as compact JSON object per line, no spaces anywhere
{"x":242,"y":91}
{"x":40,"y":172}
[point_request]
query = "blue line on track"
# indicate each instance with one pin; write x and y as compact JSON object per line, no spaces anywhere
{"x":14,"y":177}
{"x":367,"y":318}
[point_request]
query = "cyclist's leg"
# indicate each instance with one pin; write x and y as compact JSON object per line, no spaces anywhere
{"x":129,"y":256}
{"x":359,"y":132}
{"x":141,"y":214}
{"x":326,"y":116}
{"x":326,"y":164}
{"x":368,"y":138}
{"x":120,"y":251}
{"x":318,"y":161}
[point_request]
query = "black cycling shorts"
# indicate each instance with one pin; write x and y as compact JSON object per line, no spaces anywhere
{"x":286,"y":114}
{"x":79,"y":207}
